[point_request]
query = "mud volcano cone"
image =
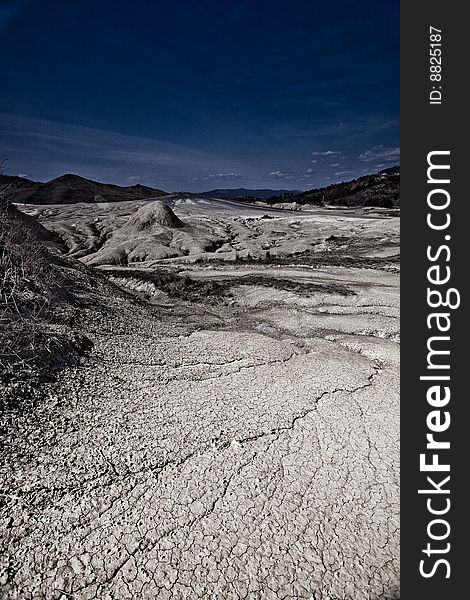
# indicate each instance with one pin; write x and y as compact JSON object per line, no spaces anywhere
{"x":155,"y":214}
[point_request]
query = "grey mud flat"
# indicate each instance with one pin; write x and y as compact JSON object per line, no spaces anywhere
{"x":246,"y":449}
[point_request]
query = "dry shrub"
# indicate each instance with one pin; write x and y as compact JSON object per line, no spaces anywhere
{"x":26,"y":279}
{"x":27,"y":287}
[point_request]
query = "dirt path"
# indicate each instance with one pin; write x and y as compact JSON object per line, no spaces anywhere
{"x":255,"y":457}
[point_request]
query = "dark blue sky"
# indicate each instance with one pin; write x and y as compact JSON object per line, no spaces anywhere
{"x":197,"y":95}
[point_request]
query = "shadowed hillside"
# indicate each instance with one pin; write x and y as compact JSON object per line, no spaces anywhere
{"x":69,"y":189}
{"x":381,"y":190}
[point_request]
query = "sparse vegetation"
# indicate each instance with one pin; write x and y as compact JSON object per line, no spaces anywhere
{"x":29,"y":285}
{"x":26,"y":283}
{"x":25,"y":291}
{"x":380,"y":190}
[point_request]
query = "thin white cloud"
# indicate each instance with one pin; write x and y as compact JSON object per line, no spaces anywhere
{"x":223,"y":175}
{"x":281,"y":175}
{"x":326,"y":153}
{"x":211,"y":176}
{"x":381,"y":153}
{"x":334,"y":165}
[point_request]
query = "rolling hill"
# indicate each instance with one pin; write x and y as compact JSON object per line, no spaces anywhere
{"x":380,"y":189}
{"x":69,"y":189}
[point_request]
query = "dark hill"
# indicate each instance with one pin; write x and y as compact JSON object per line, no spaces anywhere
{"x":381,"y":189}
{"x":69,"y":189}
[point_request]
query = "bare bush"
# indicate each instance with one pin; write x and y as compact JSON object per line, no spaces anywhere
{"x":26,"y":289}
{"x":25,"y":274}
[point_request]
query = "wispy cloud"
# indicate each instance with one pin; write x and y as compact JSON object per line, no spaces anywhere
{"x":326,"y":153}
{"x":46,"y":149}
{"x":223,"y":175}
{"x":281,"y":175}
{"x":212,"y":176}
{"x":380,"y":153}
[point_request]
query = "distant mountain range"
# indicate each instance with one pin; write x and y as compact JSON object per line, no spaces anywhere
{"x":247,"y":193}
{"x":69,"y":189}
{"x":381,"y":189}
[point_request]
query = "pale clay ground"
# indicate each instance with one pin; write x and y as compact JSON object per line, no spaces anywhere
{"x":242,"y":450}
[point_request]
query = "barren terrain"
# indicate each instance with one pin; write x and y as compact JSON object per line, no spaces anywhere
{"x":233,"y":433}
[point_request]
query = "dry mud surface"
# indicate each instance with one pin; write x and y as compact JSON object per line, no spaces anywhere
{"x":239,"y":447}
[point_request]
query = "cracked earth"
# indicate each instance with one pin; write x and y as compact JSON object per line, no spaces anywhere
{"x":246,"y":449}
